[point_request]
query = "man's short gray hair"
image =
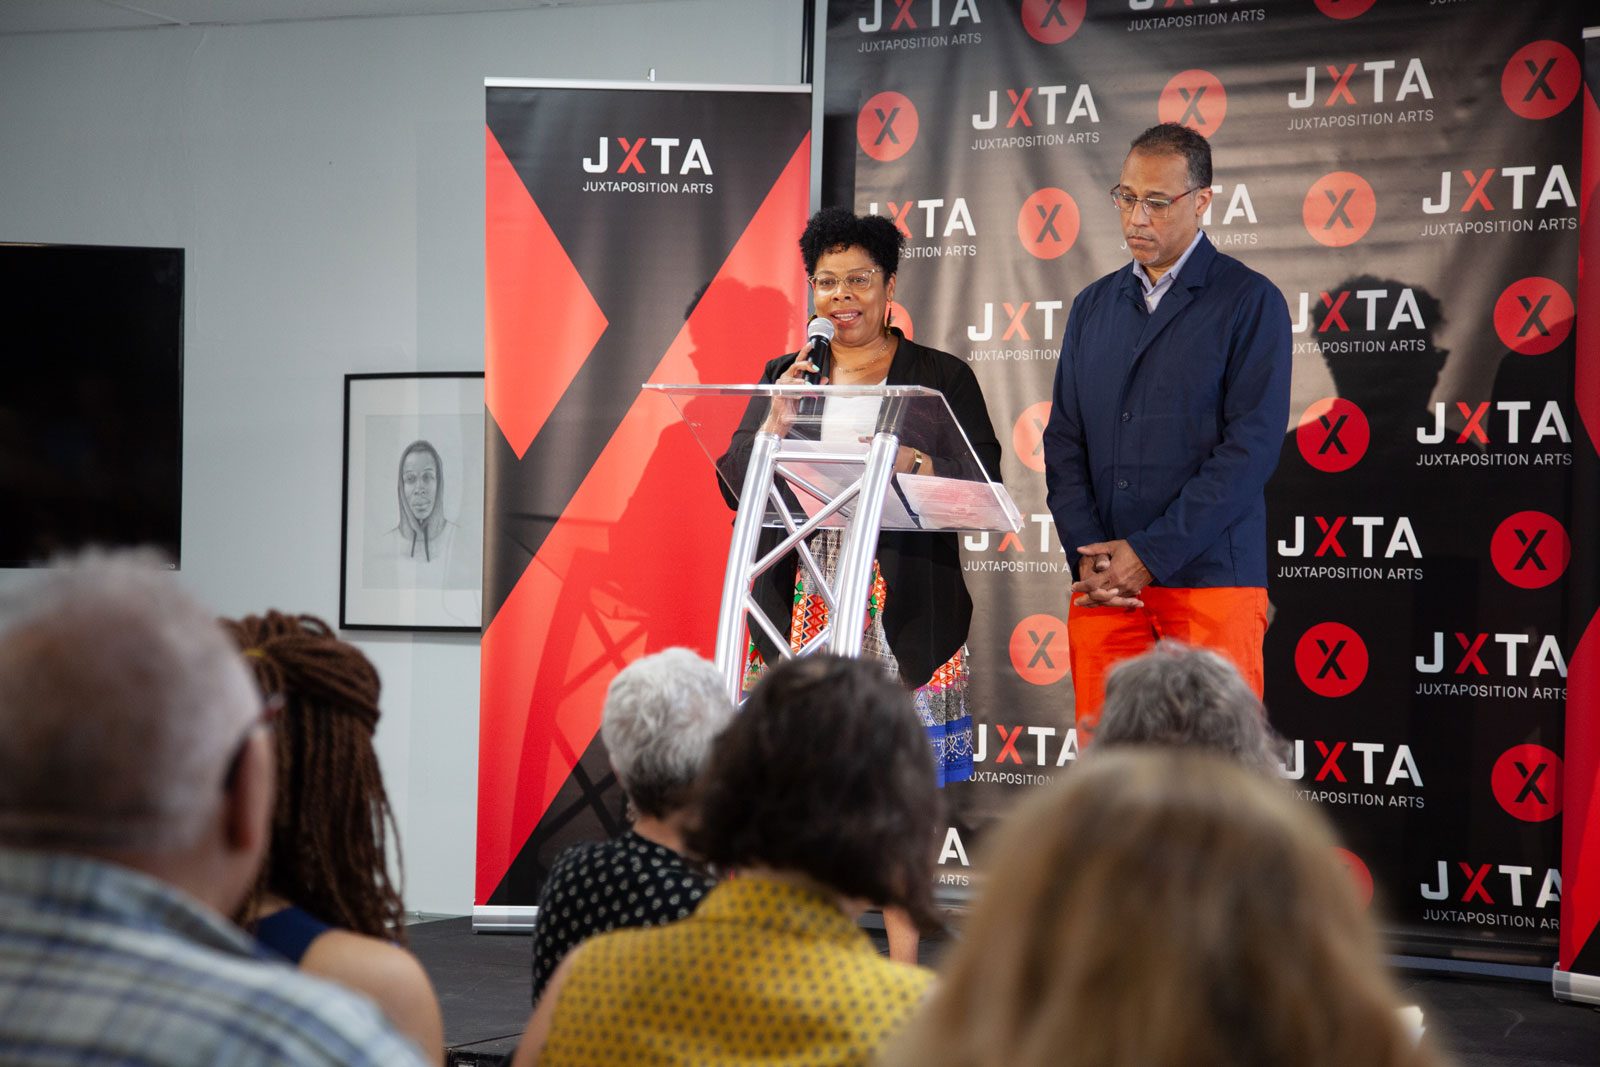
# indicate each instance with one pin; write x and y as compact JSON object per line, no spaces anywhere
{"x":662,"y":712}
{"x":121,"y":702}
{"x":1189,"y":697}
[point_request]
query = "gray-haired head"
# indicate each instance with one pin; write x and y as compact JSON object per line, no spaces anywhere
{"x":661,"y":715}
{"x":1172,"y":138}
{"x":1189,"y":697}
{"x":121,"y":703}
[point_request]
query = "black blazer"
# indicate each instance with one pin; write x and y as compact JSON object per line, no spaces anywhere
{"x":927,"y":608}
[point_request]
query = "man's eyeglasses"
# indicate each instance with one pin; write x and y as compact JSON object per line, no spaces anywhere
{"x":1159,"y":207}
{"x":271,"y":712}
{"x":857,"y":280}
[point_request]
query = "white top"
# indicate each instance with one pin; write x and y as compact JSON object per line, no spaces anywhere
{"x":846,"y":420}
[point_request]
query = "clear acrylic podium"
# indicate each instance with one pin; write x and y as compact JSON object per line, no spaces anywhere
{"x":832,"y":468}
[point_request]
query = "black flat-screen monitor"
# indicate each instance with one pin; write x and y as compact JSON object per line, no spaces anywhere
{"x":91,"y":399}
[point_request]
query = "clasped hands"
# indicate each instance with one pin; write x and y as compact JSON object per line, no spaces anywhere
{"x":1110,"y":575}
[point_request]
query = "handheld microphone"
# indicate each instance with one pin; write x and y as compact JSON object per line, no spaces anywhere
{"x":820,"y":331}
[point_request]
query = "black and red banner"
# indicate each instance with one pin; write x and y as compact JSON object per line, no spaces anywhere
{"x":1409,"y":174}
{"x":1580,"y":863}
{"x":633,"y":233}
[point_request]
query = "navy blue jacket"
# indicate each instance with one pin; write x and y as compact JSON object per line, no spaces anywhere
{"x":1165,"y":427}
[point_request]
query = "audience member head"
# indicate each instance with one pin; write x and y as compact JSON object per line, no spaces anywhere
{"x":1162,"y":907}
{"x":826,"y":772}
{"x":1191,"y":697}
{"x":329,"y":828}
{"x":662,"y":714}
{"x":128,"y":727}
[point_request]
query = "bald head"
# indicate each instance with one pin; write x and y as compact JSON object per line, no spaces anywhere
{"x":121,"y":702}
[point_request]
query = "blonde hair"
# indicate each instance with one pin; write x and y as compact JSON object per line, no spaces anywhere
{"x":1164,"y":907}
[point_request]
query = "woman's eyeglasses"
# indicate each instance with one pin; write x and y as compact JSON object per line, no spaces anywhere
{"x":858,"y":281}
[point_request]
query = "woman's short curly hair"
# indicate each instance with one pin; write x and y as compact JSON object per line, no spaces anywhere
{"x":826,"y":771}
{"x":835,"y":228}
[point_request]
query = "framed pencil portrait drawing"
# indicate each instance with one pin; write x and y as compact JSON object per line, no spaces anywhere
{"x":411,"y":555}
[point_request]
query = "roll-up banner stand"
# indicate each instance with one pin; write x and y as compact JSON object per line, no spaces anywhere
{"x":1577,"y":977}
{"x":633,"y":233}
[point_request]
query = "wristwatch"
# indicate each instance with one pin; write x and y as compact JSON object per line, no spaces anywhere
{"x":916,"y":461}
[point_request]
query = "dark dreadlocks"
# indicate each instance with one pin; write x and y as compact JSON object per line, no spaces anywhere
{"x":332,"y":818}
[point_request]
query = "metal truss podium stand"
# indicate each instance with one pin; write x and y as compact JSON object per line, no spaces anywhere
{"x":832,"y":468}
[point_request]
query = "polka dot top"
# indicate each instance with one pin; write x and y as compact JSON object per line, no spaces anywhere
{"x":602,"y":885}
{"x":763,"y":972}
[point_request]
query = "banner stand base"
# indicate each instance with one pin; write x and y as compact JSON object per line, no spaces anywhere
{"x":1575,"y":986}
{"x":503,"y":918}
{"x":1473,"y":968}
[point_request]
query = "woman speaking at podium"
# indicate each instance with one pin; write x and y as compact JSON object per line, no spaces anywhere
{"x":919,"y":610}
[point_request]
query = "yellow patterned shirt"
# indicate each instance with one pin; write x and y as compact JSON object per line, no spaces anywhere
{"x":763,"y":972}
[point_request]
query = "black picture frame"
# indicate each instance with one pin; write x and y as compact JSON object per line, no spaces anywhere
{"x":411,"y":541}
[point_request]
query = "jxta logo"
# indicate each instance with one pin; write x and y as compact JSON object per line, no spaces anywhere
{"x":1196,"y":99}
{"x":1239,"y":205}
{"x":1533,"y":316}
{"x":1333,"y":434}
{"x":1344,"y":9}
{"x":906,"y":15}
{"x":1369,"y":87}
{"x":1369,"y":309}
{"x":937,"y":220}
{"x":694,"y":158}
{"x":1039,"y":649}
{"x":1541,"y":79}
{"x":1034,"y":418}
{"x":1027,"y":438}
{"x":1401,"y":537}
{"x":1052,"y":21}
{"x":1470,"y":655}
{"x":1501,"y":423}
{"x":1474,"y":884}
{"x":1026,"y":746}
{"x":1476,"y":188}
{"x":1530,"y":550}
{"x":1527,"y":782}
{"x":1047,"y":225}
{"x":887,"y":126}
{"x":1360,"y":874}
{"x":953,"y":848}
{"x":1331,"y":659}
{"x":1023,"y":320}
{"x":1046,"y":103}
{"x":1351,"y":762}
{"x":1339,"y":209}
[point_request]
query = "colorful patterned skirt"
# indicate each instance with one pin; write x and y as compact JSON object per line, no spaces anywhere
{"x":941,"y":704}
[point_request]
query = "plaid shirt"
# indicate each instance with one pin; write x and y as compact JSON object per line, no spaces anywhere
{"x":100,"y":964}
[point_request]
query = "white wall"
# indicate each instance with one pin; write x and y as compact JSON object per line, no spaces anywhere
{"x":326,"y":179}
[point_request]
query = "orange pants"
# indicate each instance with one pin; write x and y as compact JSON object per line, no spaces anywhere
{"x":1232,"y":621}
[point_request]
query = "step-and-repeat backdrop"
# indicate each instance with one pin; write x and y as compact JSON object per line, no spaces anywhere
{"x":1408,"y":173}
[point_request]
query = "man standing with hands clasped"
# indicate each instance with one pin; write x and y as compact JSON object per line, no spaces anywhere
{"x":1170,"y":404}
